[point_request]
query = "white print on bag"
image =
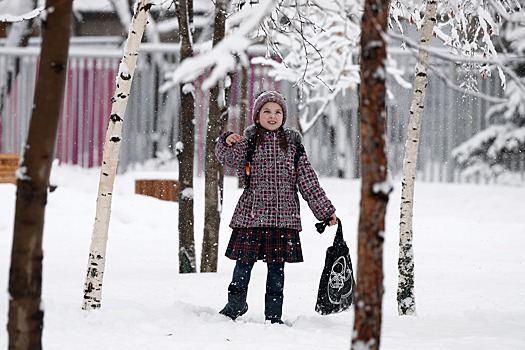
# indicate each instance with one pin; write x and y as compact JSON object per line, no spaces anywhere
{"x":338,"y":289}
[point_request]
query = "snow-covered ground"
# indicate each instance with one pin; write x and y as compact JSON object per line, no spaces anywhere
{"x":470,"y":273}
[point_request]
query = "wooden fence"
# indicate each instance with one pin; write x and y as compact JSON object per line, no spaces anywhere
{"x":151,"y":122}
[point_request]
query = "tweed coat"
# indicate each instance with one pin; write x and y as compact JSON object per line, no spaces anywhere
{"x":272,"y":199}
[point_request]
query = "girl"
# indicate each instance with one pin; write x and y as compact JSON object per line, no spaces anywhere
{"x":266,"y":222}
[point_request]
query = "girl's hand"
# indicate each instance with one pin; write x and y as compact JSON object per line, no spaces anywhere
{"x":232,"y":138}
{"x":333,"y":220}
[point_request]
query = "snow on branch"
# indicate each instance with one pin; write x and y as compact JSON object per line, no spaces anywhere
{"x":449,"y":83}
{"x":12,"y":18}
{"x":484,"y":153}
{"x":121,"y":7}
{"x":452,"y":85}
{"x":500,"y":63}
{"x":467,"y":149}
{"x":473,"y":58}
{"x":515,"y":23}
{"x":224,"y":56}
{"x":315,"y":45}
{"x":514,"y":17}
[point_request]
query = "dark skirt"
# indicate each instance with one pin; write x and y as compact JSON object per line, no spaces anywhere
{"x":268,"y":244}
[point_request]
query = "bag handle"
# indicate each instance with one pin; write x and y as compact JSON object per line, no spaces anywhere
{"x":321,"y":226}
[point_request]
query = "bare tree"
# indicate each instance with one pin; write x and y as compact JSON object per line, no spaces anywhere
{"x":406,"y":302}
{"x":243,"y":108}
{"x":97,"y":251}
{"x":374,"y":186}
{"x":185,"y":147}
{"x":25,"y":278}
{"x":217,"y":117}
{"x":220,"y":61}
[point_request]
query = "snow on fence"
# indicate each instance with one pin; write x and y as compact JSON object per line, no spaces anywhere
{"x":152,"y":117}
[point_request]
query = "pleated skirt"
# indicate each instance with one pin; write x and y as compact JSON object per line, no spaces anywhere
{"x":267,"y":244}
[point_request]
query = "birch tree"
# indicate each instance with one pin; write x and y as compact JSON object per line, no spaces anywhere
{"x":375,"y":188}
{"x":406,"y":301}
{"x":97,"y":251}
{"x":185,"y":147}
{"x":467,"y":30}
{"x":315,"y":42}
{"x":217,"y":118}
{"x":26,"y":316}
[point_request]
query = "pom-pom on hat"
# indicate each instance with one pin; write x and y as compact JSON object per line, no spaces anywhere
{"x":269,"y":96}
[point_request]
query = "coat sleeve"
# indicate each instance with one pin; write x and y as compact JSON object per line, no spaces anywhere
{"x":232,"y":156}
{"x":311,"y":190}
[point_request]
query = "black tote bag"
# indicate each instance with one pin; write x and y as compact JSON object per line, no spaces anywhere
{"x":337,"y":285}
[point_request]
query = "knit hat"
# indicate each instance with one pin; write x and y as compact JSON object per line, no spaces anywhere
{"x":269,"y":96}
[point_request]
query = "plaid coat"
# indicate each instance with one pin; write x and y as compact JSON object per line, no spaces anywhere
{"x":272,"y":199}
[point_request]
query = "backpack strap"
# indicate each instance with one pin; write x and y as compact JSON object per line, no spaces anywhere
{"x":299,"y":151}
{"x":252,"y":143}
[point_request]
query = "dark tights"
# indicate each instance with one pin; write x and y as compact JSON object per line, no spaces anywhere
{"x":274,"y":280}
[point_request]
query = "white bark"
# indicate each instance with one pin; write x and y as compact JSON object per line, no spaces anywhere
{"x":405,"y":290}
{"x":97,"y":252}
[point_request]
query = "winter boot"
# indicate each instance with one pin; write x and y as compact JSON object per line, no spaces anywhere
{"x":237,"y":305}
{"x":273,"y":309}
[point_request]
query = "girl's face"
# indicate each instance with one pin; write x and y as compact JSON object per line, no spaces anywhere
{"x":271,"y":116}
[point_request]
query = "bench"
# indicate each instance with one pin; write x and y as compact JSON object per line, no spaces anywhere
{"x":8,"y":166}
{"x":167,"y":190}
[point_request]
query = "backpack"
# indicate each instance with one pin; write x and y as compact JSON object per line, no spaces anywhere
{"x":252,"y":144}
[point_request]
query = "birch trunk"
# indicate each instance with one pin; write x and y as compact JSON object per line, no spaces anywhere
{"x":374,"y":188}
{"x":406,"y":301}
{"x":26,"y":318}
{"x":97,"y":250}
{"x":186,"y":146}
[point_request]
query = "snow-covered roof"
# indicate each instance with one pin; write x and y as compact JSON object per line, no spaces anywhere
{"x":13,"y":6}
{"x":105,"y":5}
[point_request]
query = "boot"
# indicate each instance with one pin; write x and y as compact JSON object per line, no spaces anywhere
{"x":273,"y":309}
{"x":237,"y":305}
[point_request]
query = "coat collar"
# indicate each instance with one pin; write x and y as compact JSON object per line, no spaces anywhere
{"x":292,"y":135}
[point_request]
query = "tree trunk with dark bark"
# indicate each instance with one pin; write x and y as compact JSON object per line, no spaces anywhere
{"x":217,"y":115}
{"x":185,"y":149}
{"x":374,"y":186}
{"x":243,"y":108}
{"x":26,"y":322}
